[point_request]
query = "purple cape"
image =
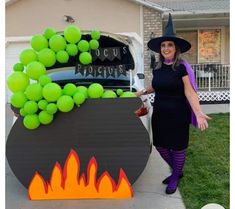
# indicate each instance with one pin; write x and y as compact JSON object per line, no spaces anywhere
{"x":191,"y":76}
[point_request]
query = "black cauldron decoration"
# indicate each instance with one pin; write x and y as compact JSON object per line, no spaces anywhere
{"x":106,"y":129}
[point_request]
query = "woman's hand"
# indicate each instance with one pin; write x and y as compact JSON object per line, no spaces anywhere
{"x":202,"y":121}
{"x":146,"y":91}
{"x":139,"y":93}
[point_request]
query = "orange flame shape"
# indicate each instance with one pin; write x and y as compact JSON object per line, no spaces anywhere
{"x":66,"y":184}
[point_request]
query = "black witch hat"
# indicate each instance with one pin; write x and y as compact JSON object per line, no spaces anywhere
{"x":169,"y":35}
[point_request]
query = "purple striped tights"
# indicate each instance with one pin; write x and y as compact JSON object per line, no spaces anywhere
{"x":175,"y":159}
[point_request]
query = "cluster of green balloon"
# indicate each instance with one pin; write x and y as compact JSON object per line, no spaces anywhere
{"x":34,"y":93}
{"x":96,"y":90}
{"x":49,"y":47}
{"x":38,"y":102}
{"x":39,"y":99}
{"x":69,"y":44}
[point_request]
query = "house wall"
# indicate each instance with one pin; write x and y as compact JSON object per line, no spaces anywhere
{"x":152,"y":25}
{"x":227,"y":46}
{"x":29,"y":17}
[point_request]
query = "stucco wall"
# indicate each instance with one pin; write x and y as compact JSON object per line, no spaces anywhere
{"x":29,"y":17}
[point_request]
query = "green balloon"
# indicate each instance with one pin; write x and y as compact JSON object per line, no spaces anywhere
{"x":51,"y":92}
{"x":22,"y":112}
{"x":45,"y":118}
{"x":51,"y":108}
{"x":57,"y":43}
{"x":18,"y":99}
{"x":44,"y":79}
{"x":17,"y":81}
{"x":35,"y":69}
{"x":69,"y":89}
{"x":18,"y":67}
{"x":27,"y":56}
{"x":85,"y":58}
{"x":34,"y":92}
{"x":42,"y":104}
{"x":128,"y":94}
{"x":65,"y":103}
{"x":47,"y":57}
{"x":49,"y":32}
{"x":94,"y":44}
{"x":95,"y":34}
{"x":83,"y":46}
{"x":72,"y":34}
{"x":79,"y":98}
{"x":84,"y":90}
{"x":119,"y":92}
{"x":31,"y":121}
{"x":62,"y":56}
{"x":95,"y":90}
{"x":109,"y":94}
{"x":39,"y":42}
{"x":31,"y":107}
{"x":72,"y":49}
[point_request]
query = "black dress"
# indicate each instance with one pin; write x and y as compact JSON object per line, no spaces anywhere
{"x":171,"y":110}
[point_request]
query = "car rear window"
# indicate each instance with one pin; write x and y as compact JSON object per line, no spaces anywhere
{"x":62,"y":76}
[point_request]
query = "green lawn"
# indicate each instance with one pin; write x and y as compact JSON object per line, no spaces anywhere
{"x":206,"y":172}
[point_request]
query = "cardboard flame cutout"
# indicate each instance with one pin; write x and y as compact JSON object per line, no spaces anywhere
{"x":67,"y":184}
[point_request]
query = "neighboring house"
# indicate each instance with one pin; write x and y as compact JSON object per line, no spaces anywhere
{"x":204,"y":23}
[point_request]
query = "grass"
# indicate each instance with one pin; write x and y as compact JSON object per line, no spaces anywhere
{"x":206,"y":172}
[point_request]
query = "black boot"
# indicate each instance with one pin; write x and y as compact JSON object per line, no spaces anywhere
{"x":167,"y":179}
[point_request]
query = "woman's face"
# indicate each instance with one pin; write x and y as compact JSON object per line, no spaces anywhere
{"x":168,"y":49}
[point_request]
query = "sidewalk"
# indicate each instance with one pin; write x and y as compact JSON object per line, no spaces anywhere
{"x":149,"y":192}
{"x":215,"y":108}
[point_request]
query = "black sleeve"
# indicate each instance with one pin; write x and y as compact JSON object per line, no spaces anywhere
{"x":183,"y":71}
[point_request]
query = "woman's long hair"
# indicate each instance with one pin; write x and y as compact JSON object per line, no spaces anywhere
{"x":176,"y":62}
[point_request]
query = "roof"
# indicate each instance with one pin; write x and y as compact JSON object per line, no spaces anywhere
{"x":194,"y":5}
{"x":188,"y":6}
{"x":188,"y":13}
{"x":151,"y":4}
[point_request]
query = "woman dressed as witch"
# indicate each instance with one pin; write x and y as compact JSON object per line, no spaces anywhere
{"x":176,"y":103}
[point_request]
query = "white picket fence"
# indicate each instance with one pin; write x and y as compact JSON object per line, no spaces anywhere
{"x":212,"y":77}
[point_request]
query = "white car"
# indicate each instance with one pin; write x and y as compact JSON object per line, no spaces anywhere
{"x":116,"y":64}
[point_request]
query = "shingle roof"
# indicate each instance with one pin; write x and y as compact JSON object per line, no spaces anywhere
{"x":193,"y":5}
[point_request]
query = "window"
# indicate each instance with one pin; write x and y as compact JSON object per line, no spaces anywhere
{"x":206,"y":45}
{"x":209,"y":49}
{"x":191,"y":36}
